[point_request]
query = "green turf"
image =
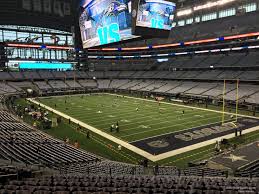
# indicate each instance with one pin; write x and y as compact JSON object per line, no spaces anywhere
{"x":95,"y":144}
{"x":151,"y":119}
{"x":105,"y":148}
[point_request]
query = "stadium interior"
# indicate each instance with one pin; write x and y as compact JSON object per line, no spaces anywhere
{"x":129,"y":96}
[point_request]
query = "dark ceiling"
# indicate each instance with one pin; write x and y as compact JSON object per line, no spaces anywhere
{"x":56,"y":14}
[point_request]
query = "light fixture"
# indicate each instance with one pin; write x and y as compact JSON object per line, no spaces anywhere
{"x":204,"y":6}
{"x":184,"y":12}
{"x":212,"y":4}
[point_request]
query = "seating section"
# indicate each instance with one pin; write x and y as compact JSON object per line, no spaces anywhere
{"x":6,"y":117}
{"x":58,"y":85}
{"x":103,"y":84}
{"x":20,"y":85}
{"x":253,"y":98}
{"x":167,"y":170}
{"x":103,"y":167}
{"x":21,"y":143}
{"x":5,"y":89}
{"x":247,"y":92}
{"x":45,"y":74}
{"x":14,"y":127}
{"x":2,"y":97}
{"x":212,"y":67}
{"x":16,"y":75}
{"x":7,"y":170}
{"x":115,"y":84}
{"x":198,"y":171}
{"x":30,"y":75}
{"x":42,"y":85}
{"x":251,"y":170}
{"x":88,"y":83}
{"x":73,"y":84}
{"x":125,"y":184}
{"x":243,"y":75}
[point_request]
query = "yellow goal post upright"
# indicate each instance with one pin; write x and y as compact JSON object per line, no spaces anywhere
{"x":223,"y":103}
{"x":237,"y":98}
{"x":236,"y":101}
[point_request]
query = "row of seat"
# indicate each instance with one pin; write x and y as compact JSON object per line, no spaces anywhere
{"x":131,"y":184}
{"x":245,"y":75}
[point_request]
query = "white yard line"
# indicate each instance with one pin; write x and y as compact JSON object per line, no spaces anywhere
{"x":153,"y":117}
{"x":183,"y":124}
{"x":167,"y":121}
{"x":180,"y":105}
{"x":191,"y":114}
{"x":131,"y":113}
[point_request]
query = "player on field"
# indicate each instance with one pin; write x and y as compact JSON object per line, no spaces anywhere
{"x":117,"y":128}
{"x":111,"y":128}
{"x":88,"y":134}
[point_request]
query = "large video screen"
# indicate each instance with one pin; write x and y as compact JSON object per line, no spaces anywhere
{"x":158,"y":14}
{"x":105,"y":21}
{"x":45,"y":65}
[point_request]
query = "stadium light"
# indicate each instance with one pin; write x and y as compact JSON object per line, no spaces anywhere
{"x":179,"y":44}
{"x":204,"y":51}
{"x":212,"y":4}
{"x":236,"y":48}
{"x":173,"y":54}
{"x":162,"y":60}
{"x":253,"y":47}
{"x":184,"y":12}
{"x":204,"y":6}
{"x":39,"y":46}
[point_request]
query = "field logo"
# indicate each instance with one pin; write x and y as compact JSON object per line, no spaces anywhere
{"x":109,"y":34}
{"x":158,"y":144}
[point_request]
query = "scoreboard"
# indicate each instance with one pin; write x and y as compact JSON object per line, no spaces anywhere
{"x":44,"y":65}
{"x":155,"y":14}
{"x":153,"y":17}
{"x":105,"y":21}
{"x":108,"y":21}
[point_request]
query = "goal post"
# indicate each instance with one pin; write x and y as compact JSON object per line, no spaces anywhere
{"x":223,"y":103}
{"x":236,"y":101}
{"x":237,"y":98}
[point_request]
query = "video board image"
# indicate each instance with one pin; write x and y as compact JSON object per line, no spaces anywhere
{"x":105,"y":21}
{"x":157,"y":14}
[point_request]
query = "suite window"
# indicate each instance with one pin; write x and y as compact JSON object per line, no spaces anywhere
{"x":210,"y":16}
{"x":227,"y":12}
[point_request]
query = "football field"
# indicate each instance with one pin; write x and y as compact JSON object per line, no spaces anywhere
{"x":138,"y":119}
